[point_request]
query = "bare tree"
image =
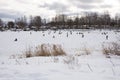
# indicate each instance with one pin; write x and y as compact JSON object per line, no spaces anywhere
{"x":10,"y":24}
{"x":117,"y":20}
{"x":106,"y":19}
{"x":69,"y":23}
{"x":31,"y":21}
{"x":21,"y":22}
{"x":37,"y":22}
{"x":76,"y":22}
{"x":1,"y":22}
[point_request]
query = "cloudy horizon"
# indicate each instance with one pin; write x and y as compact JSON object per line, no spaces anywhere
{"x":12,"y":9}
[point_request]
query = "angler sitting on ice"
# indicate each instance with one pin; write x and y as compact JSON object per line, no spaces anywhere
{"x":15,"y":39}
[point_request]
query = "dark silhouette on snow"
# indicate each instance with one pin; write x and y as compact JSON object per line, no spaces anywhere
{"x":53,"y":36}
{"x":15,"y":39}
{"x":107,"y":37}
{"x":82,"y":35}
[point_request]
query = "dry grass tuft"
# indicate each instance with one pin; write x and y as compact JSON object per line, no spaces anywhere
{"x":43,"y":50}
{"x":57,"y":50}
{"x":111,"y":48}
{"x":71,"y":61}
{"x":87,"y":51}
{"x":28,"y":53}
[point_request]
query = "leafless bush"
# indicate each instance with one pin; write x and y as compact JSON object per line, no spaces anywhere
{"x":28,"y":53}
{"x":71,"y":61}
{"x":83,"y":51}
{"x":106,"y":50}
{"x":17,"y":56}
{"x":55,"y":59}
{"x":116,"y":48}
{"x":87,"y":51}
{"x":111,"y":48}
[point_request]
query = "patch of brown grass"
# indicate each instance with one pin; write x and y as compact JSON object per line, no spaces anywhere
{"x":111,"y":48}
{"x":28,"y":53}
{"x":57,"y":50}
{"x":45,"y":50}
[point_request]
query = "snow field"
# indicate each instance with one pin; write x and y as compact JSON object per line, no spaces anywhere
{"x":85,"y":67}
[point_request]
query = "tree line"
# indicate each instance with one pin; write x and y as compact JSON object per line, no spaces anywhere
{"x":62,"y":21}
{"x":87,"y":21}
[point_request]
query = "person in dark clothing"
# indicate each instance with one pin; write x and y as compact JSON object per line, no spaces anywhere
{"x":15,"y":39}
{"x":67,"y":34}
{"x":107,"y":37}
{"x":53,"y":36}
{"x":82,"y":35}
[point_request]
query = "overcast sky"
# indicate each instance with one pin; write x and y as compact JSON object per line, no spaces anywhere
{"x":11,"y":9}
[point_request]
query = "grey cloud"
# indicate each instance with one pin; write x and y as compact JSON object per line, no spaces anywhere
{"x":55,"y":6}
{"x":106,"y":6}
{"x":22,"y":1}
{"x":73,"y":13}
{"x":90,"y":4}
{"x":3,"y":5}
{"x":9,"y":14}
{"x":85,"y":7}
{"x":44,"y":5}
{"x":87,"y":1}
{"x":85,"y":4}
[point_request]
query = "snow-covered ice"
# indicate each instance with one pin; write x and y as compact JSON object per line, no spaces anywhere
{"x":85,"y":67}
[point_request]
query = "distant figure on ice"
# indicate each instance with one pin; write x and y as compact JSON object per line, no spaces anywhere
{"x":43,"y":34}
{"x":53,"y":36}
{"x":49,"y":32}
{"x":15,"y":39}
{"x":71,"y":32}
{"x":82,"y":35}
{"x":107,"y":37}
{"x":30,"y":32}
{"x":67,"y":34}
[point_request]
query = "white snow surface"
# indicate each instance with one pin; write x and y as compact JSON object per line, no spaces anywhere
{"x":85,"y":67}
